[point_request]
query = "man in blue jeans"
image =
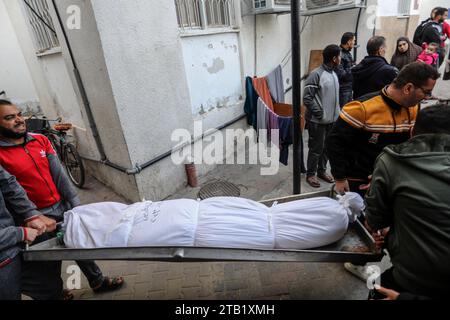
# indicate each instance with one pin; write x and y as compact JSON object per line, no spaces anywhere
{"x":34,"y":163}
{"x":12,"y":238}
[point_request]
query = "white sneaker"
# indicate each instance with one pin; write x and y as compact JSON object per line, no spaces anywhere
{"x":362,"y":272}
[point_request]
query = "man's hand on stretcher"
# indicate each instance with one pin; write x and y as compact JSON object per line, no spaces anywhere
{"x":42,"y":224}
{"x":379,"y":236}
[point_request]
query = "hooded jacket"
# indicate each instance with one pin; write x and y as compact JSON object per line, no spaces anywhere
{"x":372,"y":74}
{"x":410,"y":194}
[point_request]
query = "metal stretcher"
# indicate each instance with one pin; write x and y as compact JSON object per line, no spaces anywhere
{"x":357,"y":246}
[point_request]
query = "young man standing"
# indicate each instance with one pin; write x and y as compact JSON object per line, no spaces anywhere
{"x":344,"y":71}
{"x":321,"y":98}
{"x":34,"y":163}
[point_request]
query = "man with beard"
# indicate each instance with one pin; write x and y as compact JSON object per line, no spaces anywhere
{"x":33,"y":161}
{"x":434,"y":32}
{"x":344,"y":71}
{"x":371,"y":123}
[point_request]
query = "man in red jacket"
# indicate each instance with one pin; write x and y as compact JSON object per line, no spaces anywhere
{"x":33,"y":161}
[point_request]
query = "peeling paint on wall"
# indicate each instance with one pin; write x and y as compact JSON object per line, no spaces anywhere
{"x":217,"y":66}
{"x":213,"y":72}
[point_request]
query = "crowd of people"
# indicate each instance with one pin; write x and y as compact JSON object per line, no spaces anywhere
{"x":366,"y":120}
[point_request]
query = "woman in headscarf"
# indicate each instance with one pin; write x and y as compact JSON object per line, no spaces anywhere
{"x":406,"y":53}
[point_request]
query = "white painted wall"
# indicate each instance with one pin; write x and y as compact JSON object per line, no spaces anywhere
{"x":213,"y":70}
{"x":428,"y":5}
{"x":387,"y":8}
{"x":15,"y":77}
{"x":273,"y":38}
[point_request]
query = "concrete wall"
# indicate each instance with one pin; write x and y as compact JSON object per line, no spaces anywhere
{"x":50,"y":78}
{"x":15,"y":77}
{"x":428,"y":5}
{"x":213,"y":69}
{"x":148,"y":80}
{"x":273,"y":38}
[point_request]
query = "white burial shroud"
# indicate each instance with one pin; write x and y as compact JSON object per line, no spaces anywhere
{"x":222,"y":222}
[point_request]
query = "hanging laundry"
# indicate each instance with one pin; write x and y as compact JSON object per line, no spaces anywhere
{"x":272,"y":125}
{"x":276,"y":85}
{"x":261,"y":116}
{"x":286,"y":138}
{"x":261,"y":87}
{"x":251,"y":101}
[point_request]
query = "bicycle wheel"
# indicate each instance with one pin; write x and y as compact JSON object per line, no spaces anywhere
{"x":74,"y":165}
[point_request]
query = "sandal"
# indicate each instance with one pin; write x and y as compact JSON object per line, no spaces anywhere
{"x":109,"y":284}
{"x":67,"y":295}
{"x":313,"y":182}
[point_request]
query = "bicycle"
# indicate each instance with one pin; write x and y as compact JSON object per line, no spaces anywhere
{"x":66,"y":151}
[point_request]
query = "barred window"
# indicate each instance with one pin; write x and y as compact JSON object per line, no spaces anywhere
{"x":42,"y":26}
{"x":204,"y":14}
{"x":404,"y":7}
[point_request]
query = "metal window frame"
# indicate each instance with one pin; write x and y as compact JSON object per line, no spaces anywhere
{"x":41,"y":25}
{"x":404,"y":8}
{"x":207,"y":21}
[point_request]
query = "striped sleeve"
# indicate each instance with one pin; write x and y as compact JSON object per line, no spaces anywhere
{"x":354,"y":114}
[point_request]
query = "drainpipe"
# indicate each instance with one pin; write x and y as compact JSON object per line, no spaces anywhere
{"x":296,"y":94}
{"x":82,"y":89}
{"x":355,"y":50}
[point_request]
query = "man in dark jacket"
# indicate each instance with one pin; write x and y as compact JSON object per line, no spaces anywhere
{"x":366,"y":126}
{"x":14,"y":197}
{"x":433,"y":31}
{"x":344,"y":71}
{"x":321,"y":98}
{"x":373,"y":73}
{"x":409,"y":195}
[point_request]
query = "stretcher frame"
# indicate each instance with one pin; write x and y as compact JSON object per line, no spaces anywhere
{"x":357,"y":246}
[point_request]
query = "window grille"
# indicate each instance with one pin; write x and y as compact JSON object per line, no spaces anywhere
{"x":404,"y":7}
{"x":42,"y":26}
{"x":204,"y":14}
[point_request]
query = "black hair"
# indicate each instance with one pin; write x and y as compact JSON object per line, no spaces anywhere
{"x":434,"y":119}
{"x":417,"y":73}
{"x":346,"y":37}
{"x":374,"y":44}
{"x":440,"y":11}
{"x":5,"y":103}
{"x":330,"y":52}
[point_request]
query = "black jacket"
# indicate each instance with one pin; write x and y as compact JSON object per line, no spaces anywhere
{"x":344,"y":71}
{"x":409,"y":193}
{"x":363,"y":129}
{"x":431,"y":33}
{"x":372,"y":74}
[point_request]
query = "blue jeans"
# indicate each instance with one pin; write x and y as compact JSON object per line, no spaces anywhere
{"x":10,"y":280}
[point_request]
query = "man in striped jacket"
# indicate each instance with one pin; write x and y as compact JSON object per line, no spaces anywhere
{"x":367,"y":126}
